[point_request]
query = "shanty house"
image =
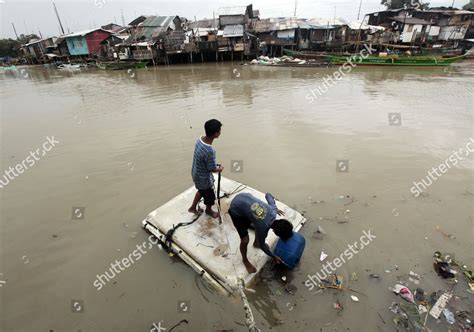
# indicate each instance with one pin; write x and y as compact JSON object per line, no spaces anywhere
{"x":453,"y":24}
{"x":413,"y":30}
{"x":278,"y":33}
{"x":86,"y":42}
{"x":148,"y":36}
{"x":327,"y":33}
{"x":241,"y":15}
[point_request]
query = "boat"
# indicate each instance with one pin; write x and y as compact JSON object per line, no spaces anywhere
{"x":120,"y":65}
{"x":8,"y":68}
{"x":392,"y":60}
{"x":441,"y":52}
{"x":305,"y":54}
{"x":209,"y":247}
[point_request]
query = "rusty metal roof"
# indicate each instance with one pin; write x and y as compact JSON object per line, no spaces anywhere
{"x":233,"y":31}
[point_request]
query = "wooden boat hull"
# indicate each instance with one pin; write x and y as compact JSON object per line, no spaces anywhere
{"x":396,"y":61}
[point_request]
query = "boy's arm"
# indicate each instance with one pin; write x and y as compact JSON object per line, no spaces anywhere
{"x":212,"y":165}
{"x":261,"y":236}
{"x":271,"y":201}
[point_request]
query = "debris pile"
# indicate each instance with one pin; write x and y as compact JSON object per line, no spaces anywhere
{"x":267,"y":61}
{"x":442,"y":305}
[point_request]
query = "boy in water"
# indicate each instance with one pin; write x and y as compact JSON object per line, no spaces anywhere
{"x":204,"y":164}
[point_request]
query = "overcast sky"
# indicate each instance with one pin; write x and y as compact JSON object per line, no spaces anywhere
{"x":33,"y":16}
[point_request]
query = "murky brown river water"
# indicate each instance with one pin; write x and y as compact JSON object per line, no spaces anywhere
{"x":126,"y":145}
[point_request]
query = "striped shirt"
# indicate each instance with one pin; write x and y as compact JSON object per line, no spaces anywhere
{"x":204,"y":162}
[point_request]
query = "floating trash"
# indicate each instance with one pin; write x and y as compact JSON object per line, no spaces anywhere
{"x":440,"y":304}
{"x":323,"y":256}
{"x":404,"y":293}
{"x":354,"y":298}
{"x":449,"y":316}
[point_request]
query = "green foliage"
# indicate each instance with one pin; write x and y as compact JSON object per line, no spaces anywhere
{"x":397,"y":4}
{"x":9,"y":47}
{"x":469,"y":6}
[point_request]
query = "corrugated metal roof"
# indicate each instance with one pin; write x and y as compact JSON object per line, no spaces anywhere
{"x":449,"y":12}
{"x":323,"y":23}
{"x":233,"y":31}
{"x":278,"y":24}
{"x":360,"y":25}
{"x":410,"y":20}
{"x":158,"y":21}
{"x":230,"y":11}
{"x":83,"y":33}
{"x":207,"y":24}
{"x":288,"y":23}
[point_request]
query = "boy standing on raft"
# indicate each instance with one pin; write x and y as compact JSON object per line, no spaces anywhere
{"x":204,"y":164}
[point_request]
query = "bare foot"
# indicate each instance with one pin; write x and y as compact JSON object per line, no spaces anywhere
{"x":250,"y":268}
{"x":193,"y":210}
{"x":212,"y":213}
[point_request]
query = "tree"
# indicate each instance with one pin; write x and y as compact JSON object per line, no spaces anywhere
{"x":397,"y":4}
{"x":24,"y":39}
{"x":9,"y":47}
{"x":469,"y":6}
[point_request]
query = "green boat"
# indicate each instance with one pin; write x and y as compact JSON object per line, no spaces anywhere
{"x":395,"y":60}
{"x":120,"y":65}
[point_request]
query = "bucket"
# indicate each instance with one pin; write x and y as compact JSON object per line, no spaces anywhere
{"x":291,"y":250}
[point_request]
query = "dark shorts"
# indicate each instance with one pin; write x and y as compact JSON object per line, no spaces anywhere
{"x":241,"y":224}
{"x":208,"y":195}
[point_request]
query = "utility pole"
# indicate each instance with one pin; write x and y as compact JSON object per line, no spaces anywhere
{"x":296,"y":7}
{"x":452,"y":6}
{"x":59,"y":19}
{"x":335,"y":15}
{"x":360,"y":6}
{"x":14,"y":29}
{"x":41,"y":35}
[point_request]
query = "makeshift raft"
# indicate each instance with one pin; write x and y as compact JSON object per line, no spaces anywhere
{"x":210,"y":248}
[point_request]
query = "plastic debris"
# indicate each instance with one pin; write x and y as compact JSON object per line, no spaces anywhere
{"x":374,"y":276}
{"x":387,"y":271}
{"x":354,"y":276}
{"x":323,"y":256}
{"x":440,"y":305}
{"x":422,"y":309}
{"x":449,"y":236}
{"x":354,"y":298}
{"x":419,"y":295}
{"x":404,"y":293}
{"x":414,"y":277}
{"x":283,"y":278}
{"x":449,"y":316}
{"x":338,"y":306}
{"x":444,"y":270}
{"x":320,"y":230}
